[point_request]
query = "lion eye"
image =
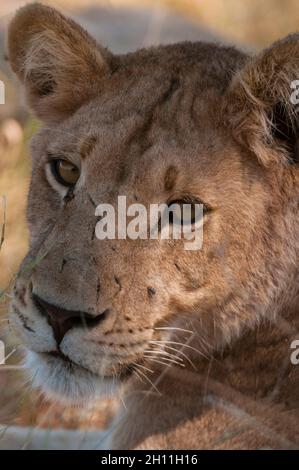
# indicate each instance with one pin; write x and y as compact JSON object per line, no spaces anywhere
{"x":186,"y":212}
{"x":65,"y":172}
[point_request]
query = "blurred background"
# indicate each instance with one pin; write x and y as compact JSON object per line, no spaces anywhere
{"x":122,"y":25}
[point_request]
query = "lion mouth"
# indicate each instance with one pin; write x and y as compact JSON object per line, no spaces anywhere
{"x":60,"y":355}
{"x":65,"y":361}
{"x":125,"y":372}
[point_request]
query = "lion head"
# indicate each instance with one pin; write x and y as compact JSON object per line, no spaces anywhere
{"x":189,"y":122}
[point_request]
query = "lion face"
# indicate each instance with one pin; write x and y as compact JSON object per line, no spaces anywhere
{"x":156,"y":126}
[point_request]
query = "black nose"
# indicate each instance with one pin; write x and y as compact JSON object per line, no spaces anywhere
{"x":62,"y":320}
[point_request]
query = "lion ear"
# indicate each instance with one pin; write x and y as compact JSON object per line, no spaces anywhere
{"x":261,"y":107}
{"x":58,"y":63}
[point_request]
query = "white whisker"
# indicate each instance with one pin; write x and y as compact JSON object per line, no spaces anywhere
{"x":168,"y":364}
{"x":157,"y":342}
{"x":10,"y":354}
{"x":163,"y":353}
{"x":143,"y":367}
{"x":183,"y":354}
{"x":123,"y":402}
{"x":148,"y":380}
{"x":5,"y":368}
{"x":135,"y":372}
{"x":173,"y":328}
{"x":166,"y":359}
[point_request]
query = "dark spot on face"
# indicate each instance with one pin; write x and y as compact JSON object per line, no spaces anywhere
{"x":63,"y":263}
{"x":130,"y":331}
{"x":127,"y":318}
{"x":192,"y":285}
{"x":117,"y":280}
{"x":284,"y":131}
{"x":151,"y":291}
{"x":170,"y":178}
{"x":87,"y":146}
{"x":173,"y":87}
{"x":177,"y":267}
{"x":98,"y":289}
{"x":123,"y":174}
{"x":91,"y":200}
{"x":23,"y":320}
{"x":69,"y":196}
{"x":20,"y":295}
{"x":46,"y":88}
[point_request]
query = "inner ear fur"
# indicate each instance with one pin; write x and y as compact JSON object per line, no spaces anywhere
{"x":259,"y":107}
{"x":57,"y":61}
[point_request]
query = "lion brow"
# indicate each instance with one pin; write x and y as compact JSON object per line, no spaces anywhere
{"x":170,"y":178}
{"x":87,"y":145}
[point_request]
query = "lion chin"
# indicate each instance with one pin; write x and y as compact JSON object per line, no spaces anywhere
{"x":65,"y":381}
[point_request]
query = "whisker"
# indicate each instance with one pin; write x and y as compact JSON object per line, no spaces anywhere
{"x":10,"y":354}
{"x":114,"y":380}
{"x":180,"y":344}
{"x":163,"y":353}
{"x":183,"y":354}
{"x":166,"y":359}
{"x":204,"y":344}
{"x":5,"y":368}
{"x":135,"y":372}
{"x":149,"y":381}
{"x":173,"y":328}
{"x":6,"y":294}
{"x":164,"y":372}
{"x":143,"y":367}
{"x":168,"y":364}
{"x":123,"y":402}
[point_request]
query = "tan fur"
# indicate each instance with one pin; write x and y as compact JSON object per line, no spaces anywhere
{"x":155,"y":125}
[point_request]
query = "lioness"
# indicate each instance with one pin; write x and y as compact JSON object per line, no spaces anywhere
{"x":197,"y":342}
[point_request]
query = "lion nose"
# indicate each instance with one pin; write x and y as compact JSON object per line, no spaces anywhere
{"x":62,"y":320}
